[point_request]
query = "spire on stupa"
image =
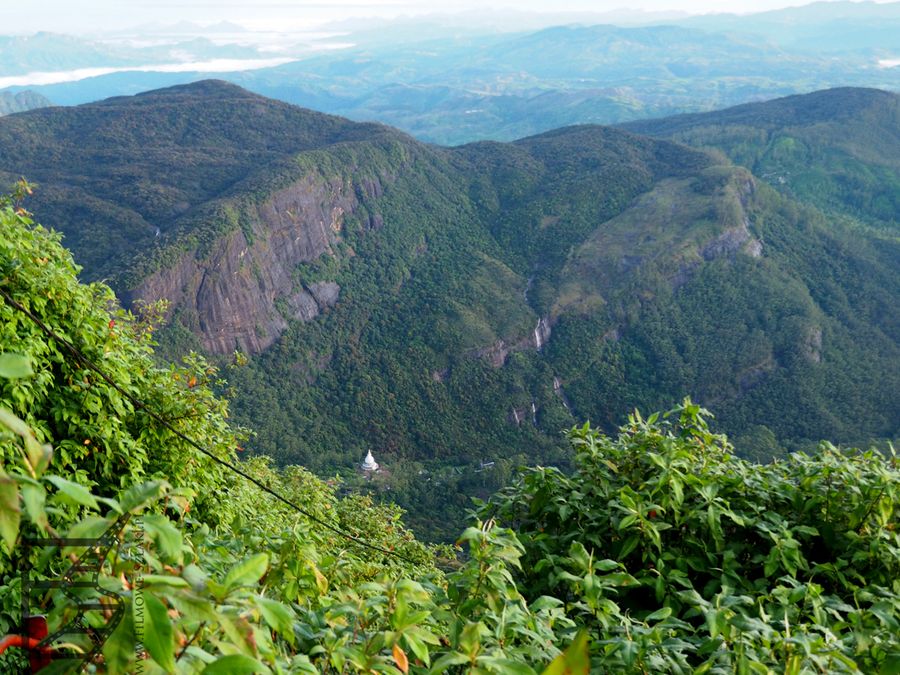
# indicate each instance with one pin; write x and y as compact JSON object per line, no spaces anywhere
{"x":369,"y":463}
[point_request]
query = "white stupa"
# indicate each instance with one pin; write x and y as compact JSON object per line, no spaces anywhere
{"x":369,"y":463}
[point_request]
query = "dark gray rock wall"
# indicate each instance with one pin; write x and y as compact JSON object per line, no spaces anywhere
{"x":229,"y":296}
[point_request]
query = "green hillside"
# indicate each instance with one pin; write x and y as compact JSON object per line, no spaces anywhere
{"x":838,"y":149}
{"x":454,"y":309}
{"x":115,"y":173}
{"x":660,"y":552}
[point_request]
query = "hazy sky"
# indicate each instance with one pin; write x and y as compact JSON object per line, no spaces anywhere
{"x":25,"y":16}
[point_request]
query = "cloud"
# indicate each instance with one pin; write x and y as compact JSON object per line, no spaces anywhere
{"x":211,"y":66}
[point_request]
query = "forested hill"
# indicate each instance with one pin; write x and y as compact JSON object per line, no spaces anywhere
{"x":115,"y":173}
{"x":838,"y":149}
{"x":454,"y":309}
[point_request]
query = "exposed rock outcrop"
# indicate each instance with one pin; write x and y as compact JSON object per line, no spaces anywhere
{"x":812,"y":345}
{"x":308,"y":303}
{"x":228,"y":297}
{"x":496,"y":354}
{"x":731,"y":241}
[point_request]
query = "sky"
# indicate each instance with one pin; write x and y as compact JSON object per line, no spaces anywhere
{"x":96,"y":16}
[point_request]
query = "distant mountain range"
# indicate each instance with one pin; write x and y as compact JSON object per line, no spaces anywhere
{"x":820,"y":27}
{"x":52,"y":52}
{"x":449,"y":307}
{"x":452,"y":82}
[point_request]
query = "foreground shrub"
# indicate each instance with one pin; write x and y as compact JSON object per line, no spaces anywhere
{"x":683,"y":557}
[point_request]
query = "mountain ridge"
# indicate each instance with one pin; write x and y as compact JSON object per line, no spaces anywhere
{"x":838,"y":149}
{"x":448,"y":307}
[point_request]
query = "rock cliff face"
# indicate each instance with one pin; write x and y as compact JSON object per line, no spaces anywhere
{"x":228,"y":297}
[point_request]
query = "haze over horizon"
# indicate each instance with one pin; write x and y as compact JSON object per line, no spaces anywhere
{"x":98,"y":16}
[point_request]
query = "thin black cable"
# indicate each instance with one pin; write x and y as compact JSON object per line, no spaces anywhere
{"x":140,"y":405}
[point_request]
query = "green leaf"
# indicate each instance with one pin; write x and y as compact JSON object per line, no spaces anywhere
{"x":500,"y":665}
{"x":630,"y":544}
{"x":576,"y":660}
{"x":417,"y":645}
{"x":195,"y":576}
{"x":74,"y":492}
{"x":15,"y":365}
{"x":470,"y":639}
{"x":278,"y":617}
{"x":13,"y":423}
{"x":448,"y":661}
{"x":34,"y":497}
{"x":891,"y":664}
{"x":660,"y":614}
{"x":618,"y":579}
{"x":235,"y":664}
{"x":163,"y":580}
{"x":89,"y":527}
{"x":10,"y":513}
{"x":137,"y":496}
{"x":158,"y":637}
{"x":247,"y":572}
{"x":164,"y":533}
{"x":39,"y":456}
{"x":118,"y":650}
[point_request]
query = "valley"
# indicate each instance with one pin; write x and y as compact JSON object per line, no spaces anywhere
{"x":447,"y":307}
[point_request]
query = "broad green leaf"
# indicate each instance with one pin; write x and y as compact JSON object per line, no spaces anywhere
{"x":39,"y":456}
{"x":448,"y":661}
{"x":501,"y":665}
{"x":89,"y":527}
{"x":13,"y":423}
{"x":34,"y":497}
{"x":158,"y":636}
{"x":618,"y":579}
{"x":470,"y":639}
{"x":414,"y":641}
{"x":630,"y":544}
{"x":891,"y":664}
{"x":118,"y":650}
{"x":15,"y":366}
{"x":195,"y":576}
{"x":10,"y":513}
{"x":660,"y":614}
{"x":605,"y":565}
{"x":74,"y":492}
{"x":278,"y":617}
{"x":235,"y":664}
{"x":246,"y":572}
{"x":164,"y":533}
{"x":302,"y":664}
{"x":139,"y":495}
{"x":576,"y":660}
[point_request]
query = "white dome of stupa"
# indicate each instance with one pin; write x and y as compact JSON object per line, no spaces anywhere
{"x":369,"y":463}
